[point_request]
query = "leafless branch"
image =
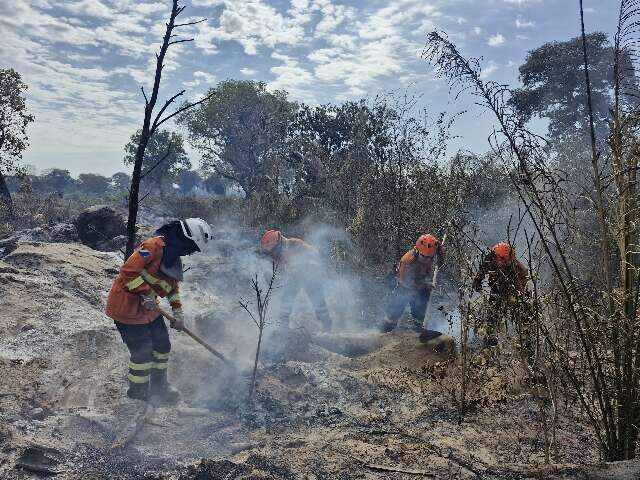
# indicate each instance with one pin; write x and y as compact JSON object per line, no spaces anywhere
{"x":183,"y":109}
{"x":190,"y":23}
{"x":164,"y":157}
{"x":173,"y":42}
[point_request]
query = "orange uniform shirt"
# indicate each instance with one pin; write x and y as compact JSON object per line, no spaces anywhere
{"x":296,"y":254}
{"x":141,"y":275}
{"x":413,"y":271}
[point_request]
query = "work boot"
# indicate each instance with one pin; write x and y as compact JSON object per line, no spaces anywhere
{"x":138,"y":391}
{"x":160,"y":392}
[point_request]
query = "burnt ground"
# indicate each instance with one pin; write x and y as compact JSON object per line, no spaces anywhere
{"x":351,"y":405}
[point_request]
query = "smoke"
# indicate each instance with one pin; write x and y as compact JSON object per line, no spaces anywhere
{"x":356,"y":299}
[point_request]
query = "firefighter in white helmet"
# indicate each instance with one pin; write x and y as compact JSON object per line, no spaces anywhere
{"x":153,"y":270}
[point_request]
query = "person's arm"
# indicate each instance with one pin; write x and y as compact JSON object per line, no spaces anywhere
{"x":131,"y":271}
{"x":485,"y":266}
{"x":174,"y":298}
{"x":522,"y":277}
{"x":406,"y":273}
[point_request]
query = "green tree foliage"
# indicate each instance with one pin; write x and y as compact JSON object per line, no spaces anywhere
{"x":14,"y":119}
{"x":164,"y":159}
{"x":215,"y":184}
{"x":120,"y":181}
{"x":553,"y":85}
{"x":93,"y":184}
{"x":241,"y":132}
{"x":188,"y":180}
{"x":57,"y":180}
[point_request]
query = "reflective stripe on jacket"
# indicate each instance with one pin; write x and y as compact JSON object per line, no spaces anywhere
{"x":141,"y":275}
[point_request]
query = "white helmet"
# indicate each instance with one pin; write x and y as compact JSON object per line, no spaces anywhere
{"x":197,"y":230}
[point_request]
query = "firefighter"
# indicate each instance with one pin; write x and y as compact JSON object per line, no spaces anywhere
{"x":153,"y":270}
{"x":414,"y":281}
{"x":507,"y":279}
{"x":301,"y":266}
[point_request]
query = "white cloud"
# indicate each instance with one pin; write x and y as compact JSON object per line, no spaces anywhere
{"x":477,"y":31}
{"x":333,"y":16}
{"x":90,"y":8}
{"x":251,"y":23}
{"x":488,"y":71}
{"x":496,"y":40}
{"x":522,"y":23}
{"x":292,"y":77}
{"x":247,"y":71}
{"x":207,"y":77}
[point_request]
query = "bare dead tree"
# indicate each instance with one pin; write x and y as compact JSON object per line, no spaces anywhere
{"x":260,"y":317}
{"x":152,"y":121}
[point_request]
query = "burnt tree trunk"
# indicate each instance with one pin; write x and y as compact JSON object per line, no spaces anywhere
{"x":149,"y":125}
{"x":146,"y":134}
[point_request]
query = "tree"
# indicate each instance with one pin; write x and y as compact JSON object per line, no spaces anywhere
{"x":14,"y":119}
{"x":57,"y":180}
{"x":164,"y":159}
{"x":215,"y":184}
{"x":188,"y":180}
{"x":93,"y":184}
{"x":151,"y":122}
{"x":241,"y":131}
{"x":554,"y":88}
{"x":120,"y":181}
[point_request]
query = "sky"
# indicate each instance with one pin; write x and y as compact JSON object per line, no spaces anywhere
{"x":85,"y":60}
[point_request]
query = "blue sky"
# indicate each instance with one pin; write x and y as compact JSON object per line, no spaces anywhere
{"x":85,"y":60}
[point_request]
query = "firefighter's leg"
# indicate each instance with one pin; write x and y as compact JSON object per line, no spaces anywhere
{"x":494,"y":316}
{"x":315,"y":291}
{"x":160,"y":390}
{"x":419,"y":306}
{"x":286,"y":303}
{"x":395,"y":308}
{"x":522,"y":318}
{"x":137,"y":338}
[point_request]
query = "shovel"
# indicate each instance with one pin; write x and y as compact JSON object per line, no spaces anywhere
{"x":211,"y":350}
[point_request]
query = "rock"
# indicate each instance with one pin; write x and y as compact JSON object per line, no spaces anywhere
{"x":36,"y":459}
{"x":98,"y":226}
{"x":63,"y":233}
{"x":58,"y":233}
{"x":113,"y":245}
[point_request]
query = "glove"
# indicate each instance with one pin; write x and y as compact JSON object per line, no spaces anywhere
{"x":149,"y":301}
{"x":477,"y":286}
{"x":178,"y":319}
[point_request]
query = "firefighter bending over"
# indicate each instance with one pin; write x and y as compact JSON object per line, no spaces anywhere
{"x":301,"y":268}
{"x":507,"y":279}
{"x":414,"y":276}
{"x":153,"y":270}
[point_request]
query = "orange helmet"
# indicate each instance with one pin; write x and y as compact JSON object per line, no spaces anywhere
{"x":427,"y":245}
{"x":505,"y":254}
{"x":270,"y":240}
